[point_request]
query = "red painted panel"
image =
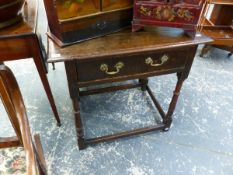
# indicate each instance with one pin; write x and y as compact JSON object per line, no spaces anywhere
{"x":172,"y":13}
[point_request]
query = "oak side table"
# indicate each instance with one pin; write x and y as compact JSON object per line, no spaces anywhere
{"x":126,"y":56}
{"x":20,"y":41}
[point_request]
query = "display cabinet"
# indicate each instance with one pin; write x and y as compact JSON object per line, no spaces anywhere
{"x":72,"y":21}
{"x":217,"y":22}
{"x":170,"y":13}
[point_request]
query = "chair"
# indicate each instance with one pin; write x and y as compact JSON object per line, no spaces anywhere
{"x":14,"y":105}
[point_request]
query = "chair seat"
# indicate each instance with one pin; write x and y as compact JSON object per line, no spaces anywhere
{"x":12,"y":161}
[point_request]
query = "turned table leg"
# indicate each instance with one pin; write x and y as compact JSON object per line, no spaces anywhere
{"x":168,"y":117}
{"x":72,"y":80}
{"x":78,"y":123}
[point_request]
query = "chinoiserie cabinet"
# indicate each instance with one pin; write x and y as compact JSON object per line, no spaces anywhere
{"x":170,"y":13}
{"x":72,"y":21}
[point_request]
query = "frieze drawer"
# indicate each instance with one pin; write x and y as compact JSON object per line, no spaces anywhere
{"x":127,"y":66}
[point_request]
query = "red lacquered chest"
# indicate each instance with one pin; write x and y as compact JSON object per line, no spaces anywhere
{"x":171,"y":13}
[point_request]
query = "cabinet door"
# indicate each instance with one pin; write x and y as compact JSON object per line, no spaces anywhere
{"x":76,"y":8}
{"x":108,"y":5}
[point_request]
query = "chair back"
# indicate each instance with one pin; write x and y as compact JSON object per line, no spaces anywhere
{"x":14,"y":105}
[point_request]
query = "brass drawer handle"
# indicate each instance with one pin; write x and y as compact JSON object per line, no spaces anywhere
{"x":163,"y":60}
{"x":118,"y":66}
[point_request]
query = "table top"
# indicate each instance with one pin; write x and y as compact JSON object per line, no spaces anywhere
{"x":125,"y":42}
{"x":27,"y":25}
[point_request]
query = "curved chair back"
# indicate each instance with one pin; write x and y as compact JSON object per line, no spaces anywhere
{"x":14,"y":105}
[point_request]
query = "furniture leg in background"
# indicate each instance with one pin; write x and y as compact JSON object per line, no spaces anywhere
{"x":20,"y":41}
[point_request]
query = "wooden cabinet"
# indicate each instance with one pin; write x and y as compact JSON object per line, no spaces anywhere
{"x":217,"y":22}
{"x":171,"y":13}
{"x":10,"y":12}
{"x":72,"y":21}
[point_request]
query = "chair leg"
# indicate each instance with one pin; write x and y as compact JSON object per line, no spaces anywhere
{"x":40,"y":155}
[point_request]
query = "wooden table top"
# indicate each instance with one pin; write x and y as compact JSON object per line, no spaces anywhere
{"x":122,"y":43}
{"x":27,"y":25}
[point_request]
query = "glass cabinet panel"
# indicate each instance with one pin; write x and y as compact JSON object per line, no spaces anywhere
{"x":108,"y":5}
{"x":76,"y":8}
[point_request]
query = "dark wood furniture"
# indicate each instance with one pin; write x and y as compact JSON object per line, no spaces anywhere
{"x":126,"y":56}
{"x":13,"y":102}
{"x":217,"y":23}
{"x":72,"y":21}
{"x":170,"y":13}
{"x":20,"y":41}
{"x":10,"y":12}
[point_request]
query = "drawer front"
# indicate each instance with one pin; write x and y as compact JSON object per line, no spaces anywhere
{"x":148,"y":63}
